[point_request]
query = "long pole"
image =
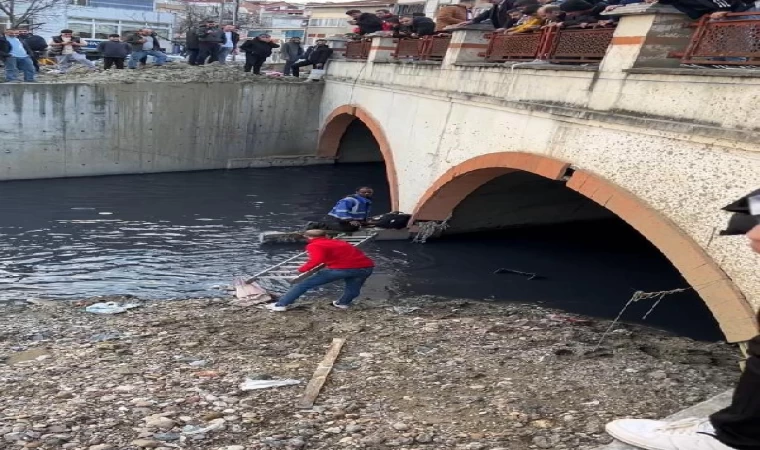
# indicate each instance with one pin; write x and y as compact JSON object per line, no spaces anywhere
{"x":221,"y":11}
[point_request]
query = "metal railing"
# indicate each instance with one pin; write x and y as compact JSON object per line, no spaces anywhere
{"x":730,"y":42}
{"x":358,"y":49}
{"x":428,"y":48}
{"x":555,"y":45}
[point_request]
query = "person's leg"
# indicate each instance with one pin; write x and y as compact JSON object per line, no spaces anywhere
{"x":134,"y":58}
{"x":64,"y":62}
{"x":192,"y":56}
{"x":224,"y":52}
{"x":318,"y":279}
{"x":119,"y":63}
{"x":354,"y":285}
{"x":27,"y":66}
{"x":108,"y":62}
{"x":11,"y":68}
{"x":159,"y":58}
{"x":82,"y":59}
{"x":214,"y":53}
{"x":738,"y":426}
{"x":35,"y":61}
{"x":287,"y":68}
{"x":204,"y":50}
{"x":257,"y":65}
{"x":297,"y":66}
{"x":249,"y":58}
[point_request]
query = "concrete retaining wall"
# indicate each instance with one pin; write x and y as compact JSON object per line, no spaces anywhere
{"x":64,"y":130}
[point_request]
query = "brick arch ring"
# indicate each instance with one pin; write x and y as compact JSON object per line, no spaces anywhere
{"x":334,"y":128}
{"x":727,"y":304}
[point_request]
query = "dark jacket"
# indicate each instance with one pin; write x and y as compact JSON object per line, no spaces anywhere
{"x":5,"y":48}
{"x":58,"y":50}
{"x":698,"y":8}
{"x":137,"y":46}
{"x":423,"y":26}
{"x":114,"y":49}
{"x":258,"y":47}
{"x":210,"y":35}
{"x":36,"y":43}
{"x":369,"y":23}
{"x":318,"y":54}
{"x":592,"y":15}
{"x":497,"y":14}
{"x":191,"y":39}
{"x":291,"y":51}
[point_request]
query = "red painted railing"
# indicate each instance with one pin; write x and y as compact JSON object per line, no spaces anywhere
{"x":555,"y":45}
{"x":427,"y":48}
{"x":358,"y":49}
{"x":733,"y":41}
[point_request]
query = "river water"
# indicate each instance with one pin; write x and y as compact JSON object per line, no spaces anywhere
{"x":180,"y":235}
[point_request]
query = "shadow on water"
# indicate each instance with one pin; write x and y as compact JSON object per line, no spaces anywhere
{"x":179,"y":235}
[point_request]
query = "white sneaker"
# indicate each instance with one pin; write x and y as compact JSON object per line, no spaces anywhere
{"x":687,"y":434}
{"x":338,"y":305}
{"x":274,"y":307}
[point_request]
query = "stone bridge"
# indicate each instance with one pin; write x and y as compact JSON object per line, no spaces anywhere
{"x":661,"y":147}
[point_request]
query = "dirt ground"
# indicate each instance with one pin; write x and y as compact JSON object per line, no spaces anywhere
{"x":449,"y":375}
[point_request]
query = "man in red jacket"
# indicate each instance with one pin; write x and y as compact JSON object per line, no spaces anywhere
{"x":342,"y":261}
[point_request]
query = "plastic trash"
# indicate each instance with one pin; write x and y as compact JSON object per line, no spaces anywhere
{"x":110,"y":308}
{"x":215,"y":424}
{"x":250,"y":385}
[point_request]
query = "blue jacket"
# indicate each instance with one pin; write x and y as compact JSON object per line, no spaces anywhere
{"x":353,"y":207}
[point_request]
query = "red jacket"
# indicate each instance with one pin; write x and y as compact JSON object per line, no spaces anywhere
{"x":335,"y":254}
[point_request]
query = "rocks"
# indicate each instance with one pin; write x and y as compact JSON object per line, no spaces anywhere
{"x":479,"y":389}
{"x":146,"y":443}
{"x":400,"y":426}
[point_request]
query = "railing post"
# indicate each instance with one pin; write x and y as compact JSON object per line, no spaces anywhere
{"x":382,"y":49}
{"x":467,"y":45}
{"x":644,"y":37}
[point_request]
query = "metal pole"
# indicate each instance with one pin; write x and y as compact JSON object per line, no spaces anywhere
{"x":235,"y":13}
{"x":221,"y":11}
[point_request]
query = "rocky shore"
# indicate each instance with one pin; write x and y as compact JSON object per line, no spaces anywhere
{"x":449,"y":375}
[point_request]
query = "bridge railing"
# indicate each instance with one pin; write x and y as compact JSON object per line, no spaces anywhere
{"x":428,"y":48}
{"x":358,"y":49}
{"x":556,"y":45}
{"x":729,"y":42}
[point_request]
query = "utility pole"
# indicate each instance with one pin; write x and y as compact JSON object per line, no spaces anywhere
{"x":235,"y":13}
{"x":221,"y":11}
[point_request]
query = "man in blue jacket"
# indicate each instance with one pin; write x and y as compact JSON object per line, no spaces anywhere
{"x":351,"y":212}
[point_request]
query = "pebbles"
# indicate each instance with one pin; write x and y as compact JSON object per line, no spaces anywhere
{"x":490,"y":376}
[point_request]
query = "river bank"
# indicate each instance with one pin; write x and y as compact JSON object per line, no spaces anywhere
{"x":449,"y":375}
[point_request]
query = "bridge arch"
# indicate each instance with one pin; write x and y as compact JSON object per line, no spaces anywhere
{"x":729,"y":307}
{"x":335,"y":126}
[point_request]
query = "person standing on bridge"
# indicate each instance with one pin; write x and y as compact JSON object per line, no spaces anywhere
{"x":341,"y":261}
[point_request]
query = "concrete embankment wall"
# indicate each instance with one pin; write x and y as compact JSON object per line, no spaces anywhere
{"x":66,"y":130}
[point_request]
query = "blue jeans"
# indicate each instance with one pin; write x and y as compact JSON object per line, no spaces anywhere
{"x":224,"y":52}
{"x":160,"y":57}
{"x":354,"y":279}
{"x":14,"y":64}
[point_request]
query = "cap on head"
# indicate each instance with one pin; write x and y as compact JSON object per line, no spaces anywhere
{"x":311,"y":234}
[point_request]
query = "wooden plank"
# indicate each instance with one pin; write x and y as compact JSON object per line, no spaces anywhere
{"x":320,"y":375}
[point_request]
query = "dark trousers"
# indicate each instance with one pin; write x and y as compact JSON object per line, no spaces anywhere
{"x":298,"y":65}
{"x":335,"y":224}
{"x":288,"y":67}
{"x":208,"y":50}
{"x":254,"y":61}
{"x":35,"y":58}
{"x":192,"y":56}
{"x":738,"y":426}
{"x":109,"y":62}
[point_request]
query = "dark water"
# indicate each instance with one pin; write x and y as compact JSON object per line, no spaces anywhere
{"x":185,"y":234}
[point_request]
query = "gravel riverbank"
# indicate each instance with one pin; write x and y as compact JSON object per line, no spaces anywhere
{"x":450,"y":375}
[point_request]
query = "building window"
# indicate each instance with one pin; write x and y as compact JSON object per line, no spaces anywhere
{"x":293,"y":33}
{"x":102,"y":31}
{"x":82,"y":30}
{"x":142,"y":5}
{"x":328,"y":22}
{"x":411,"y":8}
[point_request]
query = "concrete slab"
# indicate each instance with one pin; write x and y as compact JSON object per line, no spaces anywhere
{"x":703,"y":409}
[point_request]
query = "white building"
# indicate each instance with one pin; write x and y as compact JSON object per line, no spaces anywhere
{"x":94,"y":20}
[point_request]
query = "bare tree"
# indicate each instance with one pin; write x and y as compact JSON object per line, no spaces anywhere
{"x":192,"y":15}
{"x":28,"y":12}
